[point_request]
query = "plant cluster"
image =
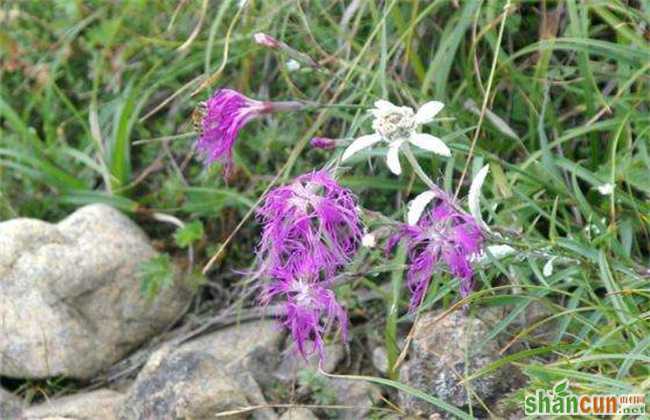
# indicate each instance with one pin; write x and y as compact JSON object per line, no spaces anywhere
{"x":312,"y":227}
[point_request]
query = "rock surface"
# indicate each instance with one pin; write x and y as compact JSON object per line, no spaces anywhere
{"x":298,"y":413}
{"x":380,"y":359}
{"x":446,"y":350}
{"x":182,"y":385}
{"x":96,"y":405}
{"x":252,"y":347}
{"x":292,"y":362}
{"x":360,"y":395}
{"x":70,"y":301}
{"x":215,"y":373}
{"x":11,"y":406}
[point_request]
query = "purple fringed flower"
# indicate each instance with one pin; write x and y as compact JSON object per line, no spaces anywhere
{"x":224,"y":114}
{"x":310,"y":226}
{"x":442,"y":233}
{"x":310,"y":310}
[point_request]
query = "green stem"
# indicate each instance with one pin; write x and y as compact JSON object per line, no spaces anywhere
{"x":425,"y":178}
{"x":418,"y":169}
{"x":292,"y":106}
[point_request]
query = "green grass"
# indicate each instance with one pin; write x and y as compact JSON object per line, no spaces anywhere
{"x":567,"y":95}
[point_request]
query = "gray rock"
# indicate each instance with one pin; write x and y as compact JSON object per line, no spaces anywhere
{"x":253,"y":392}
{"x":443,"y":351}
{"x":70,"y":302}
{"x":298,"y":413}
{"x":538,"y":314}
{"x":250,"y":346}
{"x":214,"y":373}
{"x":11,"y":406}
{"x":182,"y":385}
{"x":380,"y":359}
{"x":358,"y":394}
{"x":292,"y":362}
{"x":96,"y":405}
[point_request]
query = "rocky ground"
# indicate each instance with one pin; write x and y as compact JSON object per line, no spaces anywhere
{"x":71,"y":308}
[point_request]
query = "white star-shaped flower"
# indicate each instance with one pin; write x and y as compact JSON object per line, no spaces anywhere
{"x":396,"y":125}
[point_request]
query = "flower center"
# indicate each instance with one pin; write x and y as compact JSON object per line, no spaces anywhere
{"x":304,"y":195}
{"x":396,"y":124}
{"x":302,"y":293}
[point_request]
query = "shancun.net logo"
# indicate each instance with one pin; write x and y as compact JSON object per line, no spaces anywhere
{"x":561,"y":401}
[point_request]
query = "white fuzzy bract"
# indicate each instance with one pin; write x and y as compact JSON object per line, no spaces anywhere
{"x":417,"y":206}
{"x":496,"y":251}
{"x":474,"y":196}
{"x":548,"y":269}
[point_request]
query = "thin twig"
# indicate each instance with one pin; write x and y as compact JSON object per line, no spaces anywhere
{"x":197,"y":29}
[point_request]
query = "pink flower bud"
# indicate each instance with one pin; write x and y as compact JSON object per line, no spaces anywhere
{"x":266,"y":40}
{"x":323,"y":143}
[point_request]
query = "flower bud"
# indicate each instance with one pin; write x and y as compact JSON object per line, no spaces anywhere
{"x":324,"y":143}
{"x":266,"y":40}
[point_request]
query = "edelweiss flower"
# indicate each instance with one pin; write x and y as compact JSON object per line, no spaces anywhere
{"x":495,"y":251}
{"x":446,"y":234}
{"x":397,"y":125}
{"x":369,"y":240}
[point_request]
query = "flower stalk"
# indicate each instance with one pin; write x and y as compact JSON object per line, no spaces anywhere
{"x":418,"y":169}
{"x":270,"y":42}
{"x":408,"y":153}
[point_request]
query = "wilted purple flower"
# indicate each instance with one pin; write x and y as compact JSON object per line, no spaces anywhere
{"x":443,"y":233}
{"x":310,"y":309}
{"x":310,"y":226}
{"x":324,"y":143}
{"x":224,"y":114}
